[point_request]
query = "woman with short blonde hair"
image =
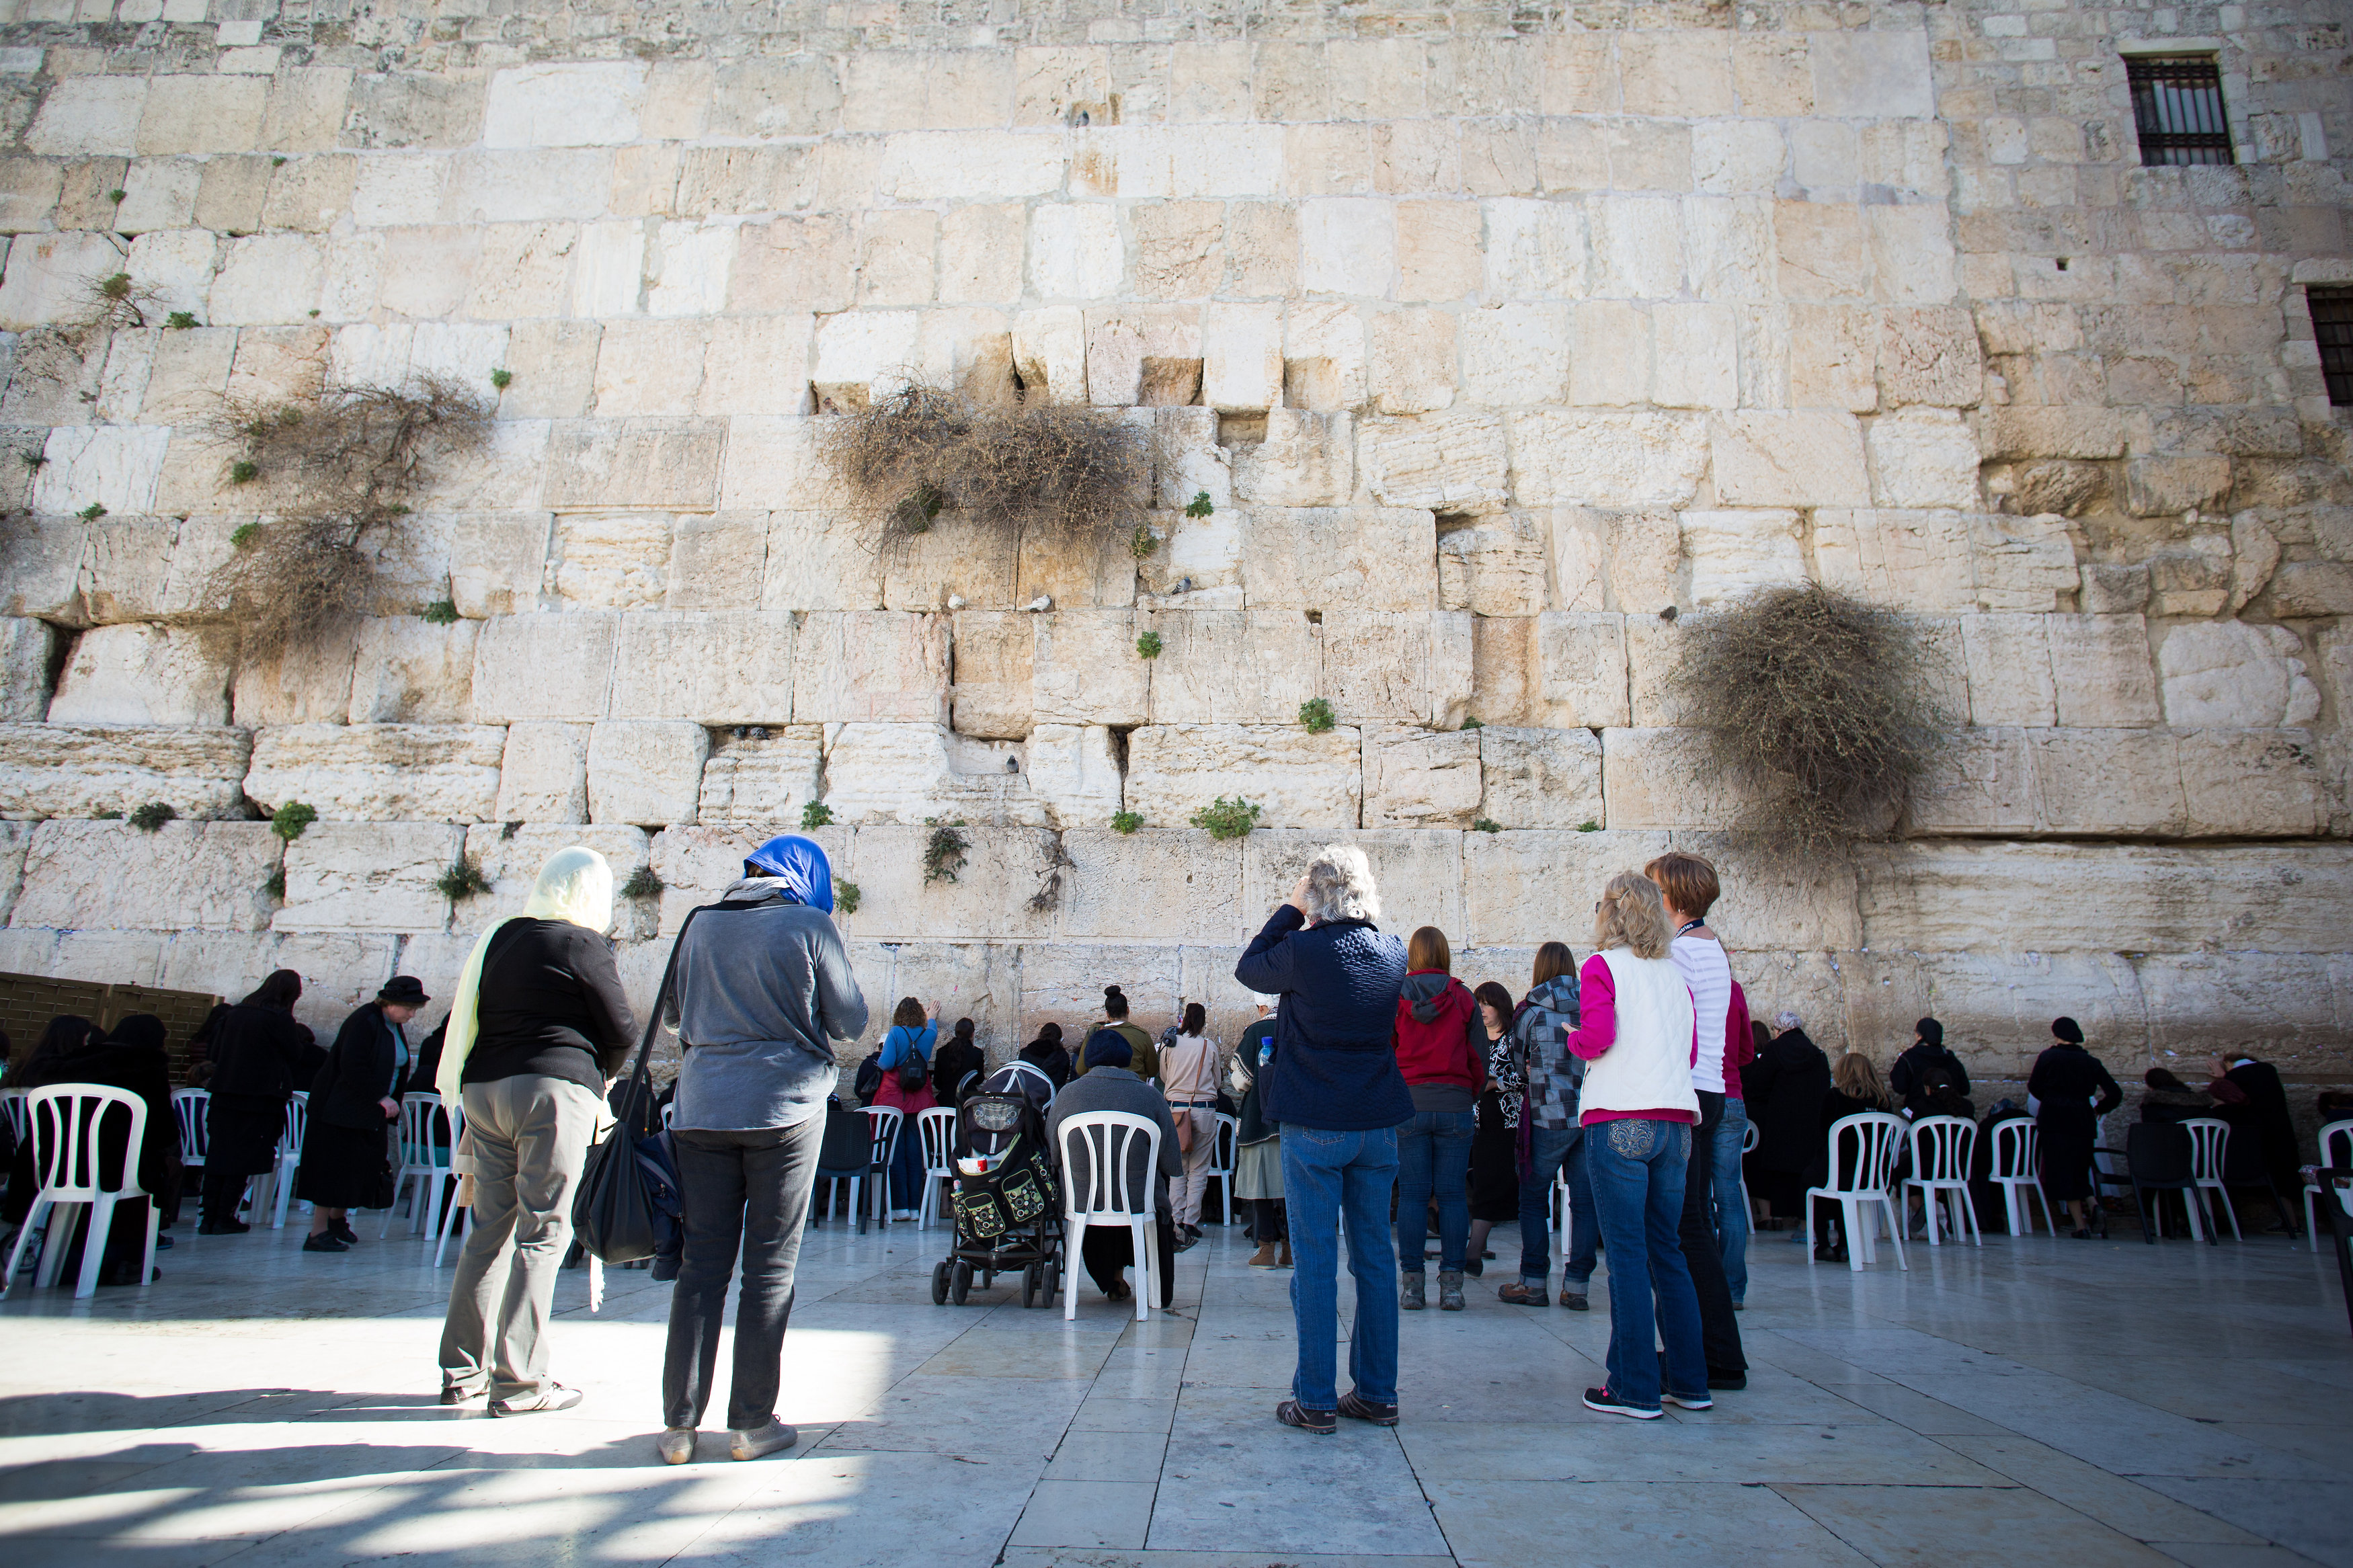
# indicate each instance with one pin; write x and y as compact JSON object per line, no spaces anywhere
{"x":1640,"y":1033}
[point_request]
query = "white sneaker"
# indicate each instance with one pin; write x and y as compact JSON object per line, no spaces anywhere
{"x":767,"y":1439}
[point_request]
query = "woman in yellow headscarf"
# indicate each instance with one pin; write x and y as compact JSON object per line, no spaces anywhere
{"x":538,"y":1030}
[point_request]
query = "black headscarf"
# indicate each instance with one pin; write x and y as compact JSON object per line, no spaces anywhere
{"x":1929,"y":1030}
{"x":140,"y":1032}
{"x":66,"y":1035}
{"x":2067,"y":1030}
{"x":281,"y":990}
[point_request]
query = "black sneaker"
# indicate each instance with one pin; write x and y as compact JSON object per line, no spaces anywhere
{"x":1356,"y":1409}
{"x":1323,"y":1423}
{"x":325,"y":1241}
{"x":342,"y":1231}
{"x":1730,"y":1382}
{"x":1608,"y":1404}
{"x":223,"y":1227}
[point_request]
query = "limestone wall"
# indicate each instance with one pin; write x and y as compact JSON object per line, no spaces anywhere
{"x":1491,"y":338}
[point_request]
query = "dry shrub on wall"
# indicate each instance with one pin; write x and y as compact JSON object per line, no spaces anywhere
{"x":1820,"y":706}
{"x":333,"y":467}
{"x":1013,"y":464}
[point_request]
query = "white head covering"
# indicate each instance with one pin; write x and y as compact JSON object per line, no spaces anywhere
{"x":575,"y":885}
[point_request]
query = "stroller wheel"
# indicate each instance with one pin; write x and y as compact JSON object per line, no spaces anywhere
{"x":1053,"y":1282}
{"x":940,"y":1283}
{"x":959,"y":1282}
{"x":1031,"y":1277}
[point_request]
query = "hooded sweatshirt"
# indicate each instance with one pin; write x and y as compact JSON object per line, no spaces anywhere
{"x":1436,"y":1048}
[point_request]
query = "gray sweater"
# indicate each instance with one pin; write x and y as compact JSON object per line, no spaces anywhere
{"x":1117,"y":1089}
{"x":758,"y":992}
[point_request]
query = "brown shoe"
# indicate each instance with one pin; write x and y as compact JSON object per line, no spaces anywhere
{"x":1264,"y":1257}
{"x":1356,"y":1409}
{"x":1520,"y":1295}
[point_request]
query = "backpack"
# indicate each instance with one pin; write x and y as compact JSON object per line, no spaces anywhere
{"x":869,"y":1078}
{"x":913,"y":1073}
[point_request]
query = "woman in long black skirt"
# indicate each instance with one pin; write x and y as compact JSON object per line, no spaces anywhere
{"x":350,"y":1147}
{"x":1495,"y":1135}
{"x":258,"y":1055}
{"x":2066,"y":1078}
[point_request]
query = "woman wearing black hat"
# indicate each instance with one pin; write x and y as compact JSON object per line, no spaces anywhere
{"x":2066,"y":1078}
{"x":348,"y":1148}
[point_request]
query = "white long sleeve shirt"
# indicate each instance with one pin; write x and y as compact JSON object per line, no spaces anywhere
{"x":1708,"y":973}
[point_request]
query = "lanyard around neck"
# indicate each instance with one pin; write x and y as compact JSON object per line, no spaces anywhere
{"x":1689,"y":926}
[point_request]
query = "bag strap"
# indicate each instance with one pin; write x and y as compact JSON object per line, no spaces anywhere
{"x":642,"y":1073}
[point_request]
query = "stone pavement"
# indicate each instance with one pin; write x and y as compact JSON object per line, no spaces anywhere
{"x":2038,"y":1401}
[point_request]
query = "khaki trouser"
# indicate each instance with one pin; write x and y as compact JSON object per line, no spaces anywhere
{"x":529,"y":1139}
{"x":1184,"y":1193}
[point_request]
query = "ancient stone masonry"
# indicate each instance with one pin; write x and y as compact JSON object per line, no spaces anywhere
{"x":1497,"y":342}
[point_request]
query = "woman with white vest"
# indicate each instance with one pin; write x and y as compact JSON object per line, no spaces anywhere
{"x":1639,"y":1032}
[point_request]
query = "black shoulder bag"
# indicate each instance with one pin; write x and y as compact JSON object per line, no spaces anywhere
{"x":628,"y":1198}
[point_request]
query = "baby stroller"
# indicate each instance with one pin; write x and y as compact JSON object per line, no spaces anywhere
{"x":1009,"y":1200}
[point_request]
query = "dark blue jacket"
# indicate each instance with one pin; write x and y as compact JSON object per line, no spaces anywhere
{"x":1335,"y":1062}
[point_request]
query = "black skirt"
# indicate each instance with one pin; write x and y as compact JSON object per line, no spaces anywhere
{"x":345,"y":1167}
{"x":241,"y":1133}
{"x":1494,"y":1164}
{"x":2066,"y":1134}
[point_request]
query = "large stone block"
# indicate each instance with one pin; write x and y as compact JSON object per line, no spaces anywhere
{"x":646,"y":771}
{"x":511,"y":859}
{"x":718,"y":563}
{"x":544,"y":773}
{"x":1233,"y":667}
{"x":2100,"y":672}
{"x":1515,"y":354}
{"x":407,"y":671}
{"x":497,"y":564}
{"x":1660,"y":778}
{"x":1300,"y":778}
{"x":1539,"y":778}
{"x":870,"y":664}
{"x":1495,"y":568}
{"x":2021,"y":562}
{"x":79,"y":770}
{"x":644,"y":465}
{"x":142,"y":674}
{"x":543,"y":666}
{"x":1421,"y":778}
{"x":714,"y":667}
{"x":912,"y":773}
{"x":1398,"y":666}
{"x":1922,"y":458}
{"x":588,"y":104}
{"x":1075,"y":774}
{"x":1084,"y":670}
{"x":1607,"y":458}
{"x":369,"y":875}
{"x":1306,"y":460}
{"x":114,"y":466}
{"x":2009,"y":663}
{"x":1581,"y":668}
{"x":2230,"y":674}
{"x":760,"y":782}
{"x":40,"y":570}
{"x":1157,"y":884}
{"x":1443,"y":462}
{"x":2251,"y":784}
{"x":1339,"y":558}
{"x":991,"y":693}
{"x":1006,"y":871}
{"x":27,"y":647}
{"x":185,"y":876}
{"x":819,"y":561}
{"x":1734,"y":554}
{"x":1063,"y":983}
{"x":1788,"y":457}
{"x":2124,"y":784}
{"x":380,"y":773}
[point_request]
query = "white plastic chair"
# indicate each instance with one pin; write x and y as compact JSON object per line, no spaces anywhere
{"x":64,"y":1121}
{"x":2017,"y":1171}
{"x":12,"y":1106}
{"x":1941,"y":1147}
{"x":1748,"y":1140}
{"x":1106,"y":1137}
{"x":1875,"y":1135}
{"x":1221,"y":1160}
{"x":883,"y":1125}
{"x":424,"y":1165}
{"x":191,"y":1112}
{"x":2210,"y":1141}
{"x":937,"y":1129}
{"x":290,"y":1155}
{"x":2336,"y":1153}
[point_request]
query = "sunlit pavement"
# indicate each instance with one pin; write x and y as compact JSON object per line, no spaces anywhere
{"x":2039,"y":1401}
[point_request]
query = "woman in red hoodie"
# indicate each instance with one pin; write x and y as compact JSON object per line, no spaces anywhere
{"x":1441,"y":1049}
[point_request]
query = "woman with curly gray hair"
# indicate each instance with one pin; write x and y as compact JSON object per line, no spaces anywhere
{"x":1333,"y":1085}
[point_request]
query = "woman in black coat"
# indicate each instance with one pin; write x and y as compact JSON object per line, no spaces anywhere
{"x":1046,"y":1054}
{"x":2064,"y":1080}
{"x":1785,"y":1087}
{"x":957,"y":1058}
{"x":1907,"y":1080}
{"x":351,"y":1146}
{"x":259,"y":1056}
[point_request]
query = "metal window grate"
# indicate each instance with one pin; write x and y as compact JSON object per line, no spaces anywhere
{"x":2332,"y":327}
{"x":2177,"y":109}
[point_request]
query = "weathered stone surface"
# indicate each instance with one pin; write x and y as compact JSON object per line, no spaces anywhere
{"x":2123,"y":784}
{"x":2021,"y":562}
{"x":544,"y":773}
{"x":79,"y":770}
{"x":1581,"y":663}
{"x":1339,"y":558}
{"x":870,"y":664}
{"x":912,"y":773}
{"x":761,"y":783}
{"x":2230,"y":675}
{"x":2009,"y":662}
{"x":1495,"y":568}
{"x":1733,"y":553}
{"x":497,"y":564}
{"x":1539,"y":778}
{"x":1004,"y":869}
{"x":543,"y":666}
{"x":1085,"y":669}
{"x":409,"y":671}
{"x":1399,"y":666}
{"x":714,"y":667}
{"x":40,"y":569}
{"x":1233,"y":667}
{"x":1610,"y":457}
{"x":1154,"y":884}
{"x":1798,"y":458}
{"x":1443,"y":462}
{"x":1417,"y":872}
{"x":609,"y":560}
{"x":1656,"y":778}
{"x":369,"y":875}
{"x":380,"y":773}
{"x":2100,"y":671}
{"x":1306,"y":460}
{"x":991,"y":693}
{"x":646,"y":465}
{"x":1421,"y":778}
{"x":646,"y":771}
{"x":511,"y":861}
{"x":199,"y":876}
{"x":1074,"y":772}
{"x":1922,"y":458}
{"x":2251,"y":784}
{"x":142,"y":675}
{"x":819,"y":561}
{"x":26,"y":648}
{"x":1301,"y":780}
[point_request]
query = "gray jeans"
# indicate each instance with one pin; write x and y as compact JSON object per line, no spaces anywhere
{"x":530,"y":1137}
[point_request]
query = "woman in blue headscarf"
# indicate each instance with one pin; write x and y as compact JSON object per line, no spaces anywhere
{"x":763,"y":987}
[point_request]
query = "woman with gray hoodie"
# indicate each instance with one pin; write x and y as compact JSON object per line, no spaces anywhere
{"x":1550,"y":1139}
{"x":763,"y":984}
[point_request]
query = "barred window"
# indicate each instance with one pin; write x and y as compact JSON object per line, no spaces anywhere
{"x":2332,"y":326}
{"x":2177,"y":109}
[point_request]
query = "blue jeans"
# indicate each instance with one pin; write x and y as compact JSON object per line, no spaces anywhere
{"x":907,"y":1166}
{"x":1433,"y":1152}
{"x":1731,"y":1212}
{"x":1328,"y":1177}
{"x":1556,"y":1150}
{"x":1638,"y":1185}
